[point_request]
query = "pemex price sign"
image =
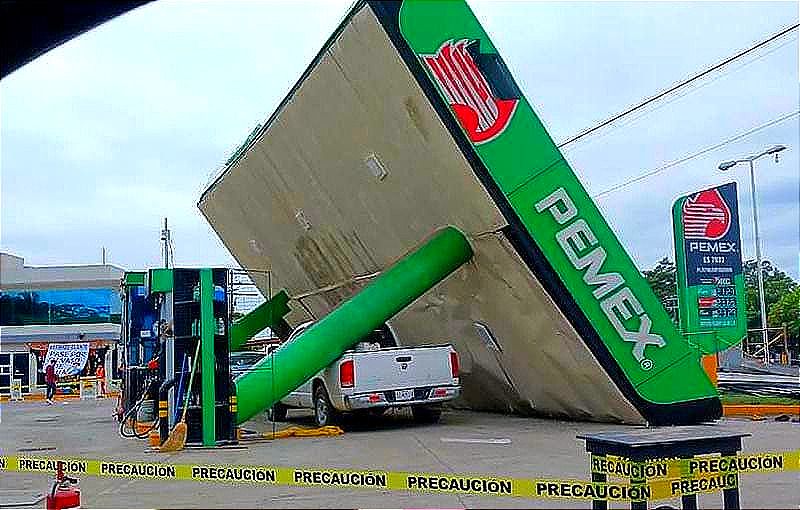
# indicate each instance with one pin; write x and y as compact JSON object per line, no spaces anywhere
{"x":708,"y":257}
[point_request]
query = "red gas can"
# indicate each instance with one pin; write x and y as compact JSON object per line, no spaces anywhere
{"x":65,"y":493}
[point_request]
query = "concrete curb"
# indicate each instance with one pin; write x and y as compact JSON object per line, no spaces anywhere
{"x":39,"y":397}
{"x":757,"y":410}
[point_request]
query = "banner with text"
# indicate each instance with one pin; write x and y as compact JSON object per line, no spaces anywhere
{"x":70,"y":358}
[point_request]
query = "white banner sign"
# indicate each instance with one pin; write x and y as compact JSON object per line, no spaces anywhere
{"x":70,"y":358}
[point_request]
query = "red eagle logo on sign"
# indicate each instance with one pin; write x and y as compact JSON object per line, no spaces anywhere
{"x":706,"y":216}
{"x":477,"y":86}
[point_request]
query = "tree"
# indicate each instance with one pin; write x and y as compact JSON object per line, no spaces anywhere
{"x":662,"y":280}
{"x":787,"y":311}
{"x":777,"y":285}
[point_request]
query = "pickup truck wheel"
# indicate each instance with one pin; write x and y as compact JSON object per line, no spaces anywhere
{"x":324,"y":412}
{"x":426,"y":414}
{"x":277,"y":413}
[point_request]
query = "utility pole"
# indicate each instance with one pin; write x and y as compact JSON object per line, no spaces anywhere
{"x":103,"y":255}
{"x":750,"y":160}
{"x":761,"y":301}
{"x":166,"y":241}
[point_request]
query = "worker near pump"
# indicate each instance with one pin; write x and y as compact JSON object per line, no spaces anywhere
{"x":101,"y":378}
{"x":50,"y":379}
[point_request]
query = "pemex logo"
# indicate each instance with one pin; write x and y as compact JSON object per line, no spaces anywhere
{"x":706,"y":216}
{"x":477,"y":86}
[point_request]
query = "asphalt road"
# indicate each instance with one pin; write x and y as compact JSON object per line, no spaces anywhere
{"x":524,"y":447}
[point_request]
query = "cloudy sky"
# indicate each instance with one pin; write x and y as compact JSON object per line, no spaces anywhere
{"x":109,"y":133}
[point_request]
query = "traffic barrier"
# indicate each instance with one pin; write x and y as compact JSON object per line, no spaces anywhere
{"x":668,"y":479}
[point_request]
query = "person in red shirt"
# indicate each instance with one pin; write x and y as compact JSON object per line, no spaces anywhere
{"x":50,"y":379}
{"x":101,"y":377}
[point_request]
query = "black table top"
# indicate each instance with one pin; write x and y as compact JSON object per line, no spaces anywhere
{"x":664,"y":442}
{"x":662,"y":435}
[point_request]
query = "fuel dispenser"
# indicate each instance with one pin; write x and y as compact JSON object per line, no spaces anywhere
{"x":190,"y":317}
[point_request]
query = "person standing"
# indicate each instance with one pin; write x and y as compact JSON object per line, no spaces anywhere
{"x":50,"y":379}
{"x":101,"y":378}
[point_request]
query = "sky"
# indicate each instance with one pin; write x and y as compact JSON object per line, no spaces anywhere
{"x":106,"y":135}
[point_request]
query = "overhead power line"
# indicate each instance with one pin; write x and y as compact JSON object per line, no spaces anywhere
{"x":678,"y":86}
{"x":684,"y":159}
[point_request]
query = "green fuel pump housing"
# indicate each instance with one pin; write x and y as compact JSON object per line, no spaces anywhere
{"x":192,"y":306}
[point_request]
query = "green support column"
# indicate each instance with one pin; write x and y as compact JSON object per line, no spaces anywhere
{"x":266,"y":315}
{"x":207,"y":330}
{"x":396,"y":288}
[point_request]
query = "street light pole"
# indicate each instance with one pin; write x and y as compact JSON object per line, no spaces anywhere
{"x":762,"y":302}
{"x":166,"y":239}
{"x":727,"y":165}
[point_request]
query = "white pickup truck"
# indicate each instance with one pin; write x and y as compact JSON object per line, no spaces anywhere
{"x":373,"y":377}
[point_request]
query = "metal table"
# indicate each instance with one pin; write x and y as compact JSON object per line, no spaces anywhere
{"x":641,"y":445}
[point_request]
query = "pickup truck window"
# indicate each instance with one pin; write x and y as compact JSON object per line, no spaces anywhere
{"x":382,"y":336}
{"x":245,"y":359}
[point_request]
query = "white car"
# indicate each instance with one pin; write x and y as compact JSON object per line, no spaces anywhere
{"x":374,"y":377}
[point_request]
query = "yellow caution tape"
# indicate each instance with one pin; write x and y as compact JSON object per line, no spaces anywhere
{"x":700,"y":475}
{"x":619,"y":467}
{"x":581,"y":489}
{"x":701,"y":484}
{"x":702,"y":465}
{"x":745,"y":463}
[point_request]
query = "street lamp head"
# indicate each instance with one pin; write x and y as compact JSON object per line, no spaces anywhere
{"x":776,"y":149}
{"x":727,"y":165}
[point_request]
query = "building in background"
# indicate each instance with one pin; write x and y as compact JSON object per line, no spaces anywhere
{"x":44,"y":305}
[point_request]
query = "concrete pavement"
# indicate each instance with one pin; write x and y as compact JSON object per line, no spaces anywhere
{"x":537,"y":448}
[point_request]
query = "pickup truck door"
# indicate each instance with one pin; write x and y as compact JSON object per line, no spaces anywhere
{"x":301,"y":397}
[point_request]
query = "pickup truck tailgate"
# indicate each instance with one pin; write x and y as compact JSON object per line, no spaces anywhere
{"x":390,"y":369}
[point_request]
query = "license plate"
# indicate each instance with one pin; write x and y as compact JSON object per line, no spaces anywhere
{"x":403,"y":395}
